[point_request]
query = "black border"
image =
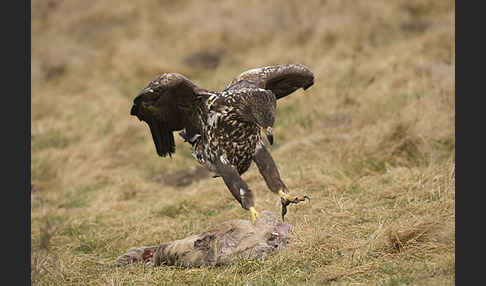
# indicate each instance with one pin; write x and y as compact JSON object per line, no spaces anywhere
{"x":27,"y":53}
{"x":15,"y":138}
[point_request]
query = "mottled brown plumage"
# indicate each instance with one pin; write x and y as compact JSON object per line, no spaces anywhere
{"x":224,"y":128}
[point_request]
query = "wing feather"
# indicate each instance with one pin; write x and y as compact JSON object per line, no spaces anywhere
{"x":167,"y":104}
{"x":282,"y":80}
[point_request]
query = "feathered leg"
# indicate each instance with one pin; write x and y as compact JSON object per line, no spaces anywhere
{"x":270,"y":173}
{"x":238,"y":188}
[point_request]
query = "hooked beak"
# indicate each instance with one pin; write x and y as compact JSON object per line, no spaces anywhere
{"x":269,"y":134}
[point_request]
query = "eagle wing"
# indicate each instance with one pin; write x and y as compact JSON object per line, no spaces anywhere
{"x":167,"y":104}
{"x":282,"y":80}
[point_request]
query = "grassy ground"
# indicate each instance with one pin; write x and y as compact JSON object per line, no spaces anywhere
{"x":372,"y":142}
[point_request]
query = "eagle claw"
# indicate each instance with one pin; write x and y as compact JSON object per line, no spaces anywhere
{"x":286,"y":202}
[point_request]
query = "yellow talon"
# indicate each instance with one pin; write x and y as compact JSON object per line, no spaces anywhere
{"x":286,"y":196}
{"x":287,"y":199}
{"x":253,"y":214}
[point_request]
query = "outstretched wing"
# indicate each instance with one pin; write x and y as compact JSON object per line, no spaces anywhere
{"x":282,"y":80}
{"x":167,"y":104}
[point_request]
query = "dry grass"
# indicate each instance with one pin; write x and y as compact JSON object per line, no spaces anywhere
{"x":372,"y":142}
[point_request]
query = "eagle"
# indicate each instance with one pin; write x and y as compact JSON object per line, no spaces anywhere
{"x":224,"y":128}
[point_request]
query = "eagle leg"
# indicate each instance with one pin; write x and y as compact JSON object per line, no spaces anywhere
{"x":238,"y":188}
{"x":270,"y":173}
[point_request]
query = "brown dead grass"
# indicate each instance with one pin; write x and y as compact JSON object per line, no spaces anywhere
{"x":372,"y":142}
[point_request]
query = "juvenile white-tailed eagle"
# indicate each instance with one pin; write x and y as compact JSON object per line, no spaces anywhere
{"x":224,"y":127}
